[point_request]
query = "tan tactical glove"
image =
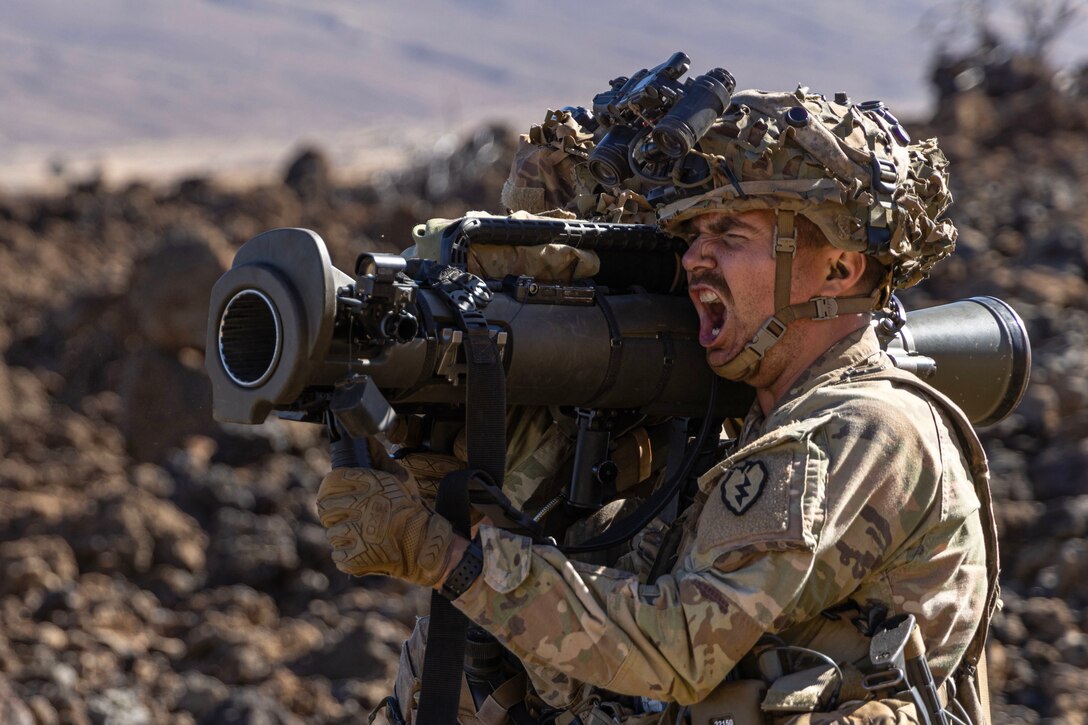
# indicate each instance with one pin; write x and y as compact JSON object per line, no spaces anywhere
{"x":377,"y":524}
{"x":428,"y":469}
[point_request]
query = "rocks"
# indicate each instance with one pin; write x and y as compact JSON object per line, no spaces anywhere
{"x":13,"y":710}
{"x":1037,"y":285}
{"x":351,"y":654}
{"x":201,"y":694}
{"x":1066,"y":685}
{"x":1071,"y":565}
{"x":1040,"y":409}
{"x":36,"y":563}
{"x":1072,"y":646}
{"x":1009,"y":628}
{"x":1046,"y":619}
{"x":256,"y":550}
{"x":6,"y":403}
{"x":243,"y":664}
{"x":309,"y":174}
{"x":118,"y":706}
{"x":1067,"y":518}
{"x":134,"y":532}
{"x":1008,"y":472}
{"x":154,"y":381}
{"x":249,"y":705}
{"x":1061,"y":471}
{"x":169,"y":287}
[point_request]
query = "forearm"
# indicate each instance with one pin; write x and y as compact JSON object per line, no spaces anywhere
{"x":675,"y":640}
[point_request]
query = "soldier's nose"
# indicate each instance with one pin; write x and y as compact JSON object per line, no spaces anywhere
{"x":695,"y":258}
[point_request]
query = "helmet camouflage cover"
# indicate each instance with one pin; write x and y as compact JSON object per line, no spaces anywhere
{"x":850,"y":169}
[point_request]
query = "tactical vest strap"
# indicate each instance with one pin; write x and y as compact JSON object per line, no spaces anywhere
{"x":495,"y":710}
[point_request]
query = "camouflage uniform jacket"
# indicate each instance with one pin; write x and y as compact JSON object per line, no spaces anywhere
{"x":847,"y":494}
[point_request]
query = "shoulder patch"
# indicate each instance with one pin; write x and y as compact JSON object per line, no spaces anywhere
{"x":765,"y":498}
{"x":742,"y":485}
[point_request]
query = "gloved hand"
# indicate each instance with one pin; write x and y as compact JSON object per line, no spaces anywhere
{"x":427,"y":469}
{"x":377,"y":524}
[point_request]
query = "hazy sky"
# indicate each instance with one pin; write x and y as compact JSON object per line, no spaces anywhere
{"x":90,"y":77}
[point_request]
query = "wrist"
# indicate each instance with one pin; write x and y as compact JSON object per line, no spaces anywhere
{"x":458,"y":545}
{"x":464,"y":567}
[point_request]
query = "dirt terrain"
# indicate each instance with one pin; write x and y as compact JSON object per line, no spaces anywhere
{"x":158,"y":567}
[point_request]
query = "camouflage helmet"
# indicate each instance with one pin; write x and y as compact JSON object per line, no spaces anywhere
{"x":850,"y":169}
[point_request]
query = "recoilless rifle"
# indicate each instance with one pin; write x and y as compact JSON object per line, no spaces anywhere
{"x":385,"y":349}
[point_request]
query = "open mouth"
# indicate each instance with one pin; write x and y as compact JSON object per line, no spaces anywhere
{"x":711,"y":309}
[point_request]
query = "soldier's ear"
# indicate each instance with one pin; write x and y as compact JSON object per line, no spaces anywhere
{"x":844,"y":271}
{"x":838,"y":271}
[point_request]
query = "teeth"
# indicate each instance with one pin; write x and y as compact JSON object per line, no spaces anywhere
{"x":706,"y":297}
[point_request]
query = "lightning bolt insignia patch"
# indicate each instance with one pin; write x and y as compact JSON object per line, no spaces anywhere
{"x":742,"y":485}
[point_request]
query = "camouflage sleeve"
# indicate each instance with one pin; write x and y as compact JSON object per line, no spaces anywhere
{"x":640,"y":559}
{"x":672,"y":640}
{"x":793,"y":523}
{"x":677,"y":638}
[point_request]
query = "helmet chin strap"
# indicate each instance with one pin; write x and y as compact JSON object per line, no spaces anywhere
{"x":746,"y":363}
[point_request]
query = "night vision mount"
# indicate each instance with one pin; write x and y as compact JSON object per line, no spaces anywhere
{"x":653,"y":121}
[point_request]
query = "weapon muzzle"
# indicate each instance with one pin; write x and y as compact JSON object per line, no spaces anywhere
{"x":250,"y":338}
{"x":270,"y":323}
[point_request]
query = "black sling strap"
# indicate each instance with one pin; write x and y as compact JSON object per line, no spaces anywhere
{"x":444,"y":656}
{"x":485,"y":428}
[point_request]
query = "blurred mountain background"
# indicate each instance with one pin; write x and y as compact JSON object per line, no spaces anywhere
{"x":161,"y":88}
{"x":159,"y":567}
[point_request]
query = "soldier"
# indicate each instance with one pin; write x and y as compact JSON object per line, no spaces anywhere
{"x":852,"y":494}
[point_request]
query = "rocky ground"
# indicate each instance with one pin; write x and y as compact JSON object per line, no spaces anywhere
{"x":158,"y":567}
